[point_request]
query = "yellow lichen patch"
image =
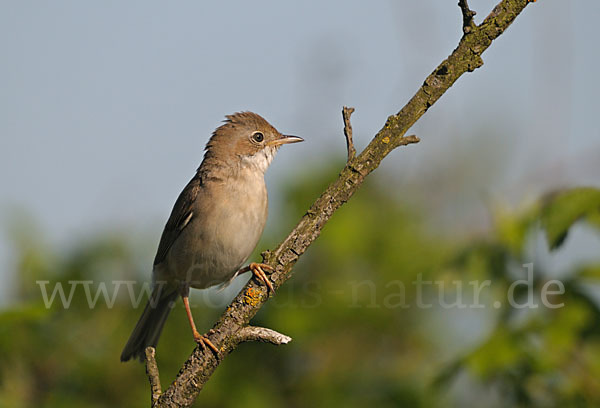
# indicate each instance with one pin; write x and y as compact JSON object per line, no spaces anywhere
{"x":252,"y":297}
{"x":386,"y":140}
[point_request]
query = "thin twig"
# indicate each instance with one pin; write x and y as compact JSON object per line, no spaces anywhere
{"x":153,"y":376}
{"x":255,"y":333}
{"x":468,"y":14}
{"x":346,"y":112}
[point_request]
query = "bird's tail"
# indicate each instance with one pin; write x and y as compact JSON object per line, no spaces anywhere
{"x":148,"y":328}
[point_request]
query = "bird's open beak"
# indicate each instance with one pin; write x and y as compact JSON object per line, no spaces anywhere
{"x":285,"y":139}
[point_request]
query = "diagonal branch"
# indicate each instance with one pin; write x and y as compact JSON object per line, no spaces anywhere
{"x":465,"y":58}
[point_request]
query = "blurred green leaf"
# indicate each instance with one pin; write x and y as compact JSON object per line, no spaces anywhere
{"x":589,"y":272}
{"x":512,"y":228}
{"x":499,"y":353}
{"x":561,"y":210}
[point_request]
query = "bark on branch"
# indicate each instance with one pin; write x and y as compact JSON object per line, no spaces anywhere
{"x":153,"y":377}
{"x":346,"y":112}
{"x":468,"y":14}
{"x":226,"y":332}
{"x":255,"y":333}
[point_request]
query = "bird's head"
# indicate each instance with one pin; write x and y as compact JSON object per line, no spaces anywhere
{"x":245,"y":139}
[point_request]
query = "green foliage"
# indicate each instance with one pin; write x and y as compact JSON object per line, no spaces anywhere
{"x":538,"y":357}
{"x":564,"y":208}
{"x":351,"y":308}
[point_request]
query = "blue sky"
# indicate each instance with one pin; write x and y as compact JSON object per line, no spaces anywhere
{"x":106,"y":106}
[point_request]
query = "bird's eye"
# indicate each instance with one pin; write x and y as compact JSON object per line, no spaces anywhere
{"x":258,"y":137}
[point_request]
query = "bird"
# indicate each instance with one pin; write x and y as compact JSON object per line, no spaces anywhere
{"x":214,"y":226}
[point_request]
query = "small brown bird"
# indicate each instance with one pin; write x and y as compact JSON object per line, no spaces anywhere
{"x":214,"y":226}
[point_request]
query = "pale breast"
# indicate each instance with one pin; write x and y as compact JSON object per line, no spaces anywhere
{"x":228,"y":221}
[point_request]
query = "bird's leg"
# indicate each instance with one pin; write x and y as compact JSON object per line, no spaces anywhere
{"x":257,"y":270}
{"x":198,"y":338}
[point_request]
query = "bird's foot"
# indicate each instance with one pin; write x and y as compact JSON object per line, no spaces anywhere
{"x":257,"y":270}
{"x":204,"y":342}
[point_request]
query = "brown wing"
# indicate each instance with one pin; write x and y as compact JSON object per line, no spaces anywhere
{"x":181,"y":215}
